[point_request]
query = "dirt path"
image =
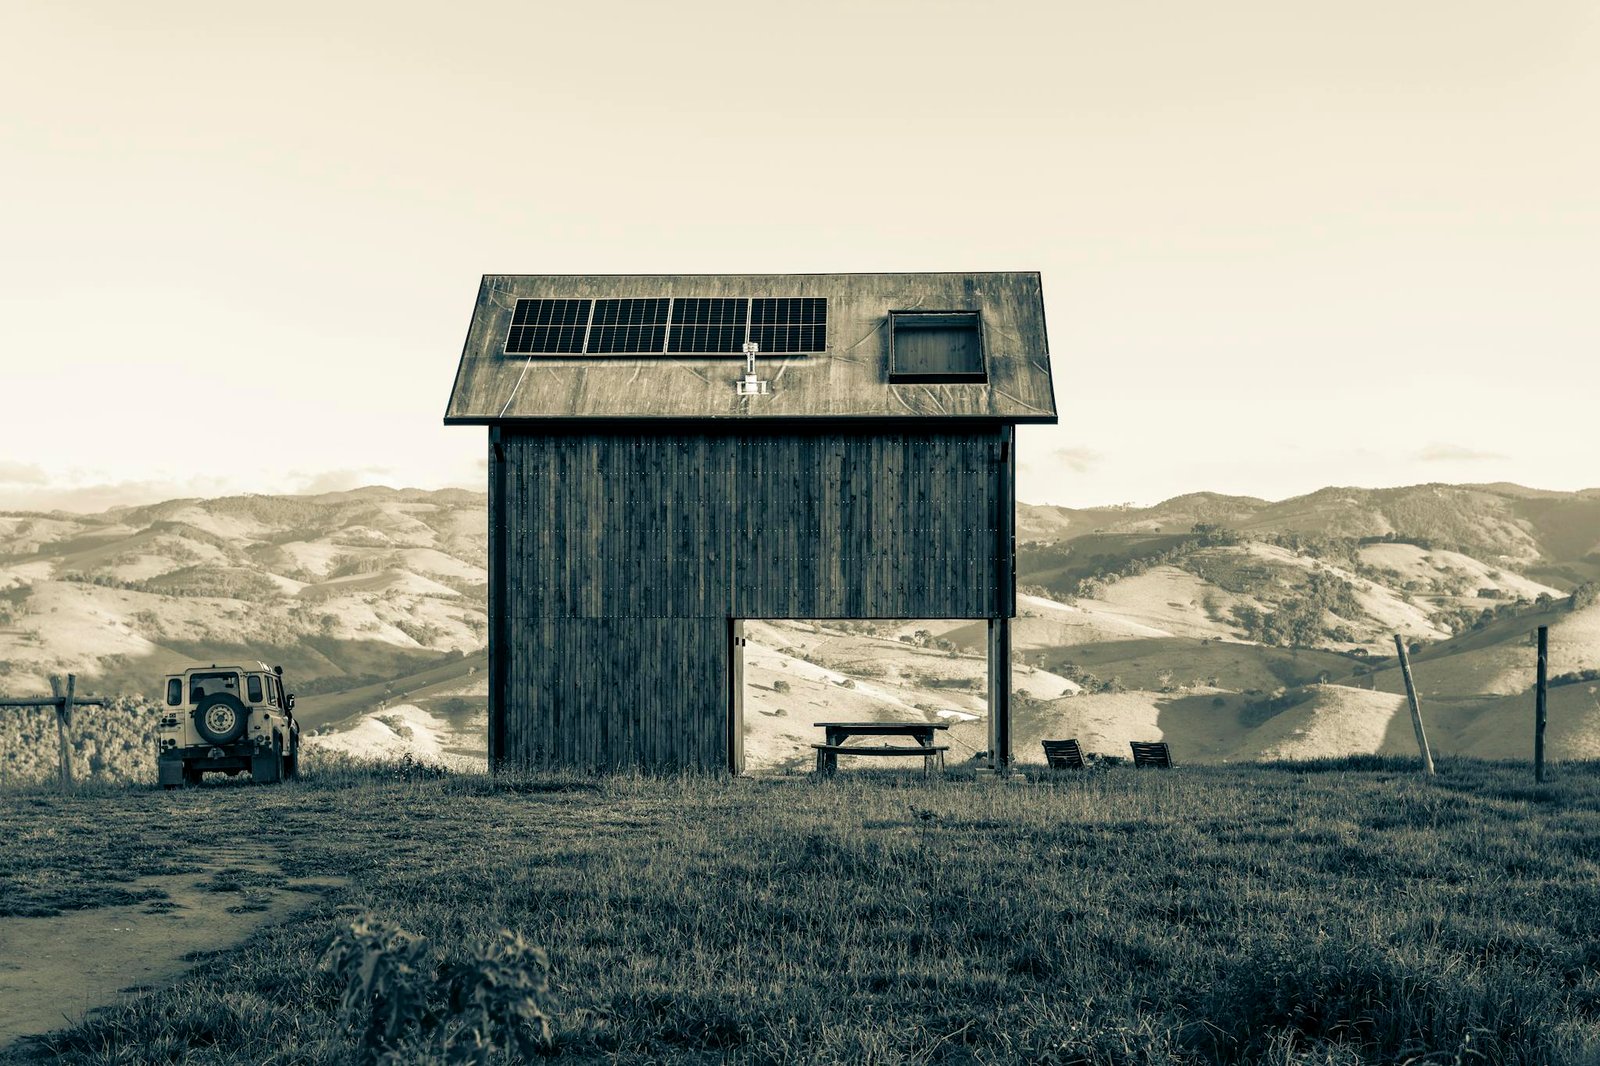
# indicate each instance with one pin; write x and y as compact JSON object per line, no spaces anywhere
{"x":54,"y":970}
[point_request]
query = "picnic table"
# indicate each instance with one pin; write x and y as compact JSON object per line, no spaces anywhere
{"x":837,"y":733}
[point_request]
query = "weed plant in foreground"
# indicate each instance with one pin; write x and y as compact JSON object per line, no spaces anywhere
{"x":1324,"y":913}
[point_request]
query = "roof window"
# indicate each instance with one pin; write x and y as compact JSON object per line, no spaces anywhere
{"x":940,"y":347}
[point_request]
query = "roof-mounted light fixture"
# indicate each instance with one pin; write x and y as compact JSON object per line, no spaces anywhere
{"x":750,"y":385}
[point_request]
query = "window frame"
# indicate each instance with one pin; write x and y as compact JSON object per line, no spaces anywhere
{"x":919,"y":318}
{"x":209,"y":675}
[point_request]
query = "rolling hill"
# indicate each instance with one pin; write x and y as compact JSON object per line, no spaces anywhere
{"x":344,"y":590}
{"x":1237,"y":628}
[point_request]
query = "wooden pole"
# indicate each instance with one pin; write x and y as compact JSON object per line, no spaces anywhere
{"x":64,"y":724}
{"x":1539,"y":704}
{"x":1416,"y":710}
{"x":1000,"y":695}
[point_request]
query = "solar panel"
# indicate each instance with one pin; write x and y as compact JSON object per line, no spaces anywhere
{"x":789,"y":324}
{"x":711,"y":325}
{"x":548,"y":326}
{"x":629,"y":325}
{"x":656,"y":325}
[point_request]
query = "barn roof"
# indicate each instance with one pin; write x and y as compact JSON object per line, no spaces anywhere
{"x":848,"y":377}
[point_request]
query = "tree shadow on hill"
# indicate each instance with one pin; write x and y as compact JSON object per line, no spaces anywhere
{"x":1203,"y":727}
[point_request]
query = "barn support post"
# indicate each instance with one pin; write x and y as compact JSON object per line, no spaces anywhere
{"x":1005,"y":601}
{"x":1000,"y":695}
{"x":497,"y":602}
{"x":736,"y":696}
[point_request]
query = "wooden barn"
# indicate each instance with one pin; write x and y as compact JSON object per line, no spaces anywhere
{"x":670,"y":455}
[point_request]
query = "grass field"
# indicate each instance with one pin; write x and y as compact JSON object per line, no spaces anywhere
{"x":1343,"y":913}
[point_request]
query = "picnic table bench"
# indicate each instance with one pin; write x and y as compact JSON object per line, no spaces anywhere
{"x":838,"y":732}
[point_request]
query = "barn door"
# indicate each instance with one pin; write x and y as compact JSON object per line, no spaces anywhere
{"x":736,"y":695}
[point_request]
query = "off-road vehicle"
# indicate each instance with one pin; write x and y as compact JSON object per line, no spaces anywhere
{"x":227,"y":718}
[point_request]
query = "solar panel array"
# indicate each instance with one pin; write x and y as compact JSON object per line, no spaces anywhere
{"x":657,"y":325}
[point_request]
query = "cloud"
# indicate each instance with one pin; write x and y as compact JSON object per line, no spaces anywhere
{"x":1078,"y":460}
{"x":1454,"y":453}
{"x":336,"y":480}
{"x":13,"y":473}
{"x":95,"y":498}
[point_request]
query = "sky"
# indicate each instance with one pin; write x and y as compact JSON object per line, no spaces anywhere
{"x":1284,"y":244}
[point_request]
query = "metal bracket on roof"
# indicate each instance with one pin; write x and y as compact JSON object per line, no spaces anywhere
{"x":750,"y":385}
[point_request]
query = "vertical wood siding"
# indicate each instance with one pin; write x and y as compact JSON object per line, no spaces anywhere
{"x":625,"y":553}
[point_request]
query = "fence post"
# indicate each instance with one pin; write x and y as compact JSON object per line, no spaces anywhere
{"x":1539,"y":704}
{"x":1416,"y":711}
{"x":64,"y":723}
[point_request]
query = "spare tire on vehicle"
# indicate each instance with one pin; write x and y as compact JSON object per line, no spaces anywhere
{"x":220,"y":718}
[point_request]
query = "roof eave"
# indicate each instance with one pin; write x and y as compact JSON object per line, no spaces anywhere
{"x":887,"y":420}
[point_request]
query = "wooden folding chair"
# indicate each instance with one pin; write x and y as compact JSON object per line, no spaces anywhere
{"x":1151,"y":753}
{"x":1063,"y":754}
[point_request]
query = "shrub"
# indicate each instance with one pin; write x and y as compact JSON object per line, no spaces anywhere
{"x":115,"y":743}
{"x":409,"y":1006}
{"x":425,"y":633}
{"x":1575,"y":677}
{"x":386,"y":975}
{"x":409,"y":768}
{"x":1298,"y":621}
{"x":1088,"y":682}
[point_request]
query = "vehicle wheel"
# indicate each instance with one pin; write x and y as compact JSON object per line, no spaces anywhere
{"x":221,"y":718}
{"x":291,"y":761}
{"x":267,"y":768}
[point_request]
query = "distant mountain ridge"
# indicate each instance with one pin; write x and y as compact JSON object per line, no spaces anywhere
{"x":1551,"y":536}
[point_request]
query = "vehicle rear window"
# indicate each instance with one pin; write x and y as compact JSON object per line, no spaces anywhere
{"x":203,"y":685}
{"x":174,"y":692}
{"x":252,"y":687}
